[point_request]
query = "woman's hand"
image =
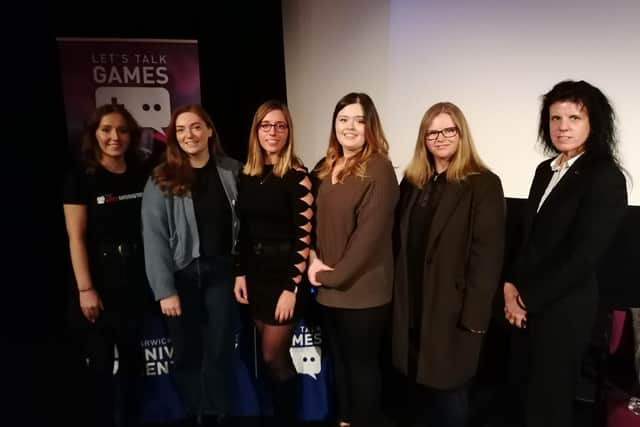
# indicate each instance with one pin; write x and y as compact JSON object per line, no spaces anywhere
{"x":312,"y":256}
{"x":513,"y":312}
{"x":284,"y":307}
{"x":240,"y":290}
{"x":90,"y":304}
{"x":315,"y":267}
{"x":170,"y":306}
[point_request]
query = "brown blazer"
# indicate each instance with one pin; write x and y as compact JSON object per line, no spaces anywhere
{"x":462,"y":270}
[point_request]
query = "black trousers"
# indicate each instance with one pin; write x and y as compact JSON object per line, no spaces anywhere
{"x":105,"y":399}
{"x":202,"y":336}
{"x":354,"y":337}
{"x":545,"y":361}
{"x":434,"y":407}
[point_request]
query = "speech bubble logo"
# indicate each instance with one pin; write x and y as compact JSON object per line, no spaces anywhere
{"x":116,"y":360}
{"x":150,"y":106}
{"x":307,"y":360}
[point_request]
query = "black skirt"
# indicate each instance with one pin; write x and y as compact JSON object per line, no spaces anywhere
{"x":268,"y":274}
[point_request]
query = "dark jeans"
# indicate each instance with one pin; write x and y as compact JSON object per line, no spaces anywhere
{"x":354,"y":337}
{"x":441,"y":408}
{"x":202,"y":337}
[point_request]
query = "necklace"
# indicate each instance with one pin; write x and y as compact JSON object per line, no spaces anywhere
{"x":265,"y":177}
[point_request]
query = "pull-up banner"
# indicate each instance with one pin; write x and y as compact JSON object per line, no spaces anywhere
{"x":149,"y":77}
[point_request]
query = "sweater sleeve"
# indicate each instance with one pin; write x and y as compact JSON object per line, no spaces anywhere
{"x":157,"y":250}
{"x":299,"y":186}
{"x":240,"y":254}
{"x":374,"y":215}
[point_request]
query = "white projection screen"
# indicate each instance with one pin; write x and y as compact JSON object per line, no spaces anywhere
{"x":493,"y":58}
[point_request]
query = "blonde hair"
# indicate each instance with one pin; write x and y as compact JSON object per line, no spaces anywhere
{"x":465,"y":160}
{"x":375,"y":140}
{"x":255,"y":157}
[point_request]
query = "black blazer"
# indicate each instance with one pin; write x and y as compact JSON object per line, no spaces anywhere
{"x":564,"y":241}
{"x":461,"y":271}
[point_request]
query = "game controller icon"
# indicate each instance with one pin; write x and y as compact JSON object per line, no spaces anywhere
{"x":150,"y":106}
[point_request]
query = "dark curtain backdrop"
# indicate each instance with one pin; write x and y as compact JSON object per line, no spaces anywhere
{"x":241,"y":65}
{"x":240,"y":50}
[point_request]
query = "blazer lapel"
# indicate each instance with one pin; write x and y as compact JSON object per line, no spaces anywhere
{"x":540,"y":183}
{"x":538,"y":186}
{"x":450,"y":198}
{"x":407,"y":207}
{"x":564,"y":186}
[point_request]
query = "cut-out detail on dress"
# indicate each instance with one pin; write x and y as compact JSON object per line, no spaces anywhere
{"x":302,"y":220}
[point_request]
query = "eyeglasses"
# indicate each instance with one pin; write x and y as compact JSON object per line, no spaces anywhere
{"x":280,"y":126}
{"x":432,"y":135}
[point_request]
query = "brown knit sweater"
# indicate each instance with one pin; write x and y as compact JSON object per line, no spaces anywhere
{"x":354,"y":221}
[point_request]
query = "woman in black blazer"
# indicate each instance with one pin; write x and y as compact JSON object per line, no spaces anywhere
{"x":449,"y":237}
{"x":576,"y":203}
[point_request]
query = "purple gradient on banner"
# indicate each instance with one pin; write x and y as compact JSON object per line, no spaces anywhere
{"x":150,"y":77}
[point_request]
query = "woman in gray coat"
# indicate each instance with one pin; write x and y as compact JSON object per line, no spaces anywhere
{"x":190,"y":227}
{"x":449,"y":248}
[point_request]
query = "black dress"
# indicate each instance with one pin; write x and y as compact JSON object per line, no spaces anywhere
{"x":274,"y":234}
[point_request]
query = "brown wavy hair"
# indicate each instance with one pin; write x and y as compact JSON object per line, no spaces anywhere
{"x":375,"y":142}
{"x":175,"y":175}
{"x":90,"y":152}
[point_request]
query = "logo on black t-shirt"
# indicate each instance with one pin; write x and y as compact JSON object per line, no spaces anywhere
{"x":101,"y":200}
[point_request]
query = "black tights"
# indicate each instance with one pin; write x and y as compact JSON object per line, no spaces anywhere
{"x":276,"y":341}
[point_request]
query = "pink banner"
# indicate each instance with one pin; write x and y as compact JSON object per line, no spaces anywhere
{"x":149,"y":77}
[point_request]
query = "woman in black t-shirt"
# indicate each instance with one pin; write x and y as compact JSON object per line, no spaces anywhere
{"x":102,"y":199}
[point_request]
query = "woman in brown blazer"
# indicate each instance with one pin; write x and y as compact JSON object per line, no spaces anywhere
{"x":449,"y":249}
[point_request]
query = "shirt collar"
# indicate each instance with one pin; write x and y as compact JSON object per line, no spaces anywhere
{"x":557,"y":165}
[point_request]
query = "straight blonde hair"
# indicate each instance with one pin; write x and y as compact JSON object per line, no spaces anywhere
{"x":255,"y":157}
{"x":465,"y":160}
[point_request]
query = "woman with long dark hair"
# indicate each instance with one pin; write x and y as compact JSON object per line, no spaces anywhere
{"x":352,"y":262}
{"x":577,"y":201}
{"x":102,"y":199}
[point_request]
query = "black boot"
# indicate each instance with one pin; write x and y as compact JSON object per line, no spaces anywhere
{"x":216,"y":420}
{"x":285,"y":402}
{"x":189,"y":422}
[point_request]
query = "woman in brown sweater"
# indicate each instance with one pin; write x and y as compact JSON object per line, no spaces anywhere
{"x":353,"y":259}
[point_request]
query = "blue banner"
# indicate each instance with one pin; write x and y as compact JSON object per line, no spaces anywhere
{"x":250,"y":381}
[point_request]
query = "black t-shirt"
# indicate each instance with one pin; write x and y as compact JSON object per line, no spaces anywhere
{"x":213,"y":212}
{"x":113,"y":204}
